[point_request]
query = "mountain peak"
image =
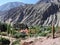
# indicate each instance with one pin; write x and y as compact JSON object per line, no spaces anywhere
{"x":48,"y":1}
{"x":10,"y":5}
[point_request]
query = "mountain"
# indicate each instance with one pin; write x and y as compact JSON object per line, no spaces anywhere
{"x":10,"y":5}
{"x":35,"y":14}
{"x":48,"y":1}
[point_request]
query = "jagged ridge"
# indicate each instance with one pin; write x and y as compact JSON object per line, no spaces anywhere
{"x":37,"y":14}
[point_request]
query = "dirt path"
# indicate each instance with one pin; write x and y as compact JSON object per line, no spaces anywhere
{"x":48,"y":41}
{"x":43,"y":41}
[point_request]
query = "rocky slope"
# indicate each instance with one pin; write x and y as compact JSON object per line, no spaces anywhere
{"x":35,"y":14}
{"x":8,"y":6}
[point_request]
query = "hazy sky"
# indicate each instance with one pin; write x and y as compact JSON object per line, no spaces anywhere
{"x":24,"y":1}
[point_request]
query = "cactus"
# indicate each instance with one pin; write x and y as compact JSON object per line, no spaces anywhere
{"x":53,"y":31}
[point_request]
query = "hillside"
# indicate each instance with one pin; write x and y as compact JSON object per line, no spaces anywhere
{"x":41,"y":13}
{"x":10,"y":5}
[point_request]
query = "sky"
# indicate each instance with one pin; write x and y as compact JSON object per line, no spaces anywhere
{"x":24,"y":1}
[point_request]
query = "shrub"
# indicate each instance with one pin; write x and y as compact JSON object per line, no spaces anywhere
{"x":40,"y":30}
{"x":42,"y":34}
{"x":3,"y":27}
{"x":19,"y":26}
{"x":20,"y":35}
{"x":34,"y":29}
{"x":16,"y":42}
{"x":4,"y":41}
{"x":4,"y":33}
{"x":17,"y":35}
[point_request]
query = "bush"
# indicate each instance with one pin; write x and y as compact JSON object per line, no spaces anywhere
{"x":20,"y":35}
{"x":42,"y":34}
{"x":4,"y":41}
{"x":13,"y":32}
{"x":17,"y":35}
{"x":34,"y":29}
{"x":4,"y":33}
{"x":23,"y":35}
{"x":40,"y":30}
{"x":45,"y":30}
{"x":16,"y":42}
{"x":19,"y":26}
{"x":3,"y":27}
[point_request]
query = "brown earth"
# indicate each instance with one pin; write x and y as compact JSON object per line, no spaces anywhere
{"x":48,"y":41}
{"x":43,"y":41}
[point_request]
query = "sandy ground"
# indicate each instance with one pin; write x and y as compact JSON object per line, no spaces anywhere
{"x":43,"y":41}
{"x":48,"y":41}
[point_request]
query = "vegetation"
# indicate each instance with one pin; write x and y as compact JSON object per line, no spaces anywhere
{"x":4,"y":41}
{"x":19,"y":26}
{"x":19,"y":35}
{"x":14,"y":31}
{"x":33,"y":30}
{"x":40,"y":30}
{"x":4,"y":33}
{"x":17,"y":42}
{"x":3,"y":27}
